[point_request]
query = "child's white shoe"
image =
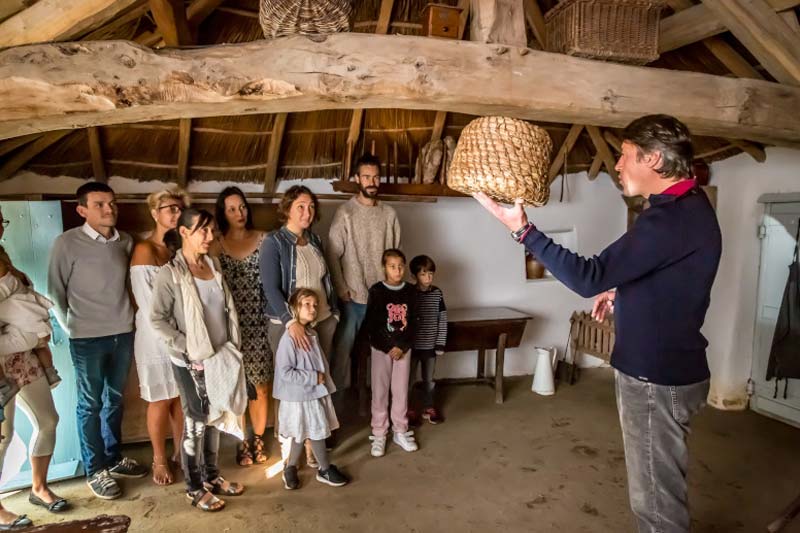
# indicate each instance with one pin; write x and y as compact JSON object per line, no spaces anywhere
{"x":378,"y":446}
{"x":406,"y":441}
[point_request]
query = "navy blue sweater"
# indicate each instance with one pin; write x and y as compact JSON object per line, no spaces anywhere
{"x":663,"y":269}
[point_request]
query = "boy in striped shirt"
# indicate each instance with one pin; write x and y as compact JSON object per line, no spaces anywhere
{"x":431,"y":334}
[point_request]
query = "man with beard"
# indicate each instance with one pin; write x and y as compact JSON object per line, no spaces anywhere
{"x":362,"y":228}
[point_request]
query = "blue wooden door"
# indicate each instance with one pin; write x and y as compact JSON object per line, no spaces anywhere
{"x":33,"y":228}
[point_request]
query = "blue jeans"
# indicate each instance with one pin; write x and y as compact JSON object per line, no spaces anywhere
{"x":101,"y":370}
{"x":346,"y":332}
{"x":655,"y":425}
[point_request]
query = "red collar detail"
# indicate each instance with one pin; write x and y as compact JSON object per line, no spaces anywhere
{"x":680,"y":188}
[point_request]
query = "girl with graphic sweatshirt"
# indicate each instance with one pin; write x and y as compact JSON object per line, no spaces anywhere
{"x":390,"y":327}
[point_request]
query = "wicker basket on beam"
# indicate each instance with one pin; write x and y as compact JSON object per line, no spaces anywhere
{"x":505,"y":158}
{"x":288,"y":17}
{"x":625,"y":31}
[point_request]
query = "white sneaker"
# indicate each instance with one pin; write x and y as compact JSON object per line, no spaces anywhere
{"x":378,"y":446}
{"x":406,"y":441}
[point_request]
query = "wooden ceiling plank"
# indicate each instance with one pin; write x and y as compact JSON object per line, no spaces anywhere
{"x":274,"y":154}
{"x":42,"y":88}
{"x":96,"y":152}
{"x":59,"y":20}
{"x":20,"y":159}
{"x":764,"y":33}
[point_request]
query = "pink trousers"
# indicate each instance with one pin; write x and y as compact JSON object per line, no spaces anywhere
{"x":389,"y":375}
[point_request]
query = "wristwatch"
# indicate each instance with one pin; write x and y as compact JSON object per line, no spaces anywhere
{"x":517,"y":235}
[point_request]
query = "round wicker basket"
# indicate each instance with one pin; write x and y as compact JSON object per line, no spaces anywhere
{"x":287,"y":17}
{"x":505,"y":158}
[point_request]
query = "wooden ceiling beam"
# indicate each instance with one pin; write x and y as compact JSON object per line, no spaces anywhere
{"x":605,"y":152}
{"x":20,"y":159}
{"x":699,"y":22}
{"x":764,"y":33}
{"x":184,"y":147}
{"x":12,"y":144}
{"x":754,"y":150}
{"x":564,"y":150}
{"x":96,"y":153}
{"x":57,"y":86}
{"x":535,"y":19}
{"x":196,"y":13}
{"x":172,"y":23}
{"x":724,"y":52}
{"x":357,"y":118}
{"x":59,"y":20}
{"x":274,"y":154}
{"x":594,"y":169}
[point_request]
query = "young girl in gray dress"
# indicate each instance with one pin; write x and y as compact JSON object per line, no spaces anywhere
{"x":303,"y":385}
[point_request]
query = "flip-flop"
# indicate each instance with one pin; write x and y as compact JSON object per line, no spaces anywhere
{"x":57,"y":506}
{"x":21,"y":522}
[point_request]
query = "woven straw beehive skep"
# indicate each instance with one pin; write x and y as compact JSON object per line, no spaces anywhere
{"x":505,"y":158}
{"x":287,"y":17}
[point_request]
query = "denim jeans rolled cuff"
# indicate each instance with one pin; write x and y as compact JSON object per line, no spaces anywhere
{"x":655,"y":427}
{"x":347,"y":330}
{"x":199,"y":442}
{"x":101,"y":366}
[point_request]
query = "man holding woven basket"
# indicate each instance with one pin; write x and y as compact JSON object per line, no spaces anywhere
{"x":657,"y":280}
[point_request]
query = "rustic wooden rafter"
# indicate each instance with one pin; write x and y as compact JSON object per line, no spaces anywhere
{"x":170,"y":17}
{"x":12,"y":144}
{"x":765,"y":34}
{"x":94,"y":83}
{"x":184,"y":150}
{"x":274,"y":154}
{"x":563,"y":152}
{"x":605,"y":153}
{"x":594,"y":169}
{"x":21,"y":158}
{"x":59,"y":20}
{"x":698,"y":23}
{"x":535,"y":19}
{"x":96,"y":153}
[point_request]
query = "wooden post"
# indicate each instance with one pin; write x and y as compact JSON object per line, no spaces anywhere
{"x":481,"y":364}
{"x":274,"y":154}
{"x":96,"y":151}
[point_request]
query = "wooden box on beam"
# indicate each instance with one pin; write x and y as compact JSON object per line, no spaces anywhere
{"x":440,"y":20}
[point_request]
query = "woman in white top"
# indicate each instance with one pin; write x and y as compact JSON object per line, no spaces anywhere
{"x":156,"y":380}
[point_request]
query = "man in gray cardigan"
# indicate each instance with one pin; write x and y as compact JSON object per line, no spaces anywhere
{"x":87,"y":281}
{"x":362,"y":228}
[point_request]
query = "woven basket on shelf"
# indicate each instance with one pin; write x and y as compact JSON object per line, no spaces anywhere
{"x":625,"y":31}
{"x":504,"y":157}
{"x":287,"y":17}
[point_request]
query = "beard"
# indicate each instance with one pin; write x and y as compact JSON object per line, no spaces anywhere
{"x":371,"y":192}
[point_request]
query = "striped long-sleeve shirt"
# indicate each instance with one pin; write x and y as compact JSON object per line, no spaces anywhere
{"x":431,"y":320}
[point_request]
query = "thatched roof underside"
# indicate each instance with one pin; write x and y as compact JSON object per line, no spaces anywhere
{"x":314,"y":144}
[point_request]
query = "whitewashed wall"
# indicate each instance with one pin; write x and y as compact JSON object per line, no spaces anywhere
{"x":477,"y":262}
{"x":731,"y":319}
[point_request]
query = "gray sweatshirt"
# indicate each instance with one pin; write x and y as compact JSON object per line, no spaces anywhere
{"x":87,"y":281}
{"x":296,"y":371}
{"x":359,"y":234}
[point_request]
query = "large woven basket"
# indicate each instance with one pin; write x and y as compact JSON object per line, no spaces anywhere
{"x":287,"y":17}
{"x":504,"y":157}
{"x":625,"y":31}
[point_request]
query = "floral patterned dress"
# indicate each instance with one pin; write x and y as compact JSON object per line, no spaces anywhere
{"x":244,"y":280}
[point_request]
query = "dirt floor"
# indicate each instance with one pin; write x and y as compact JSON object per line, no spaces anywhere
{"x":532,"y":464}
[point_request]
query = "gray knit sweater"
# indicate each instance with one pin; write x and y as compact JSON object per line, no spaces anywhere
{"x":359,"y":234}
{"x":87,"y":281}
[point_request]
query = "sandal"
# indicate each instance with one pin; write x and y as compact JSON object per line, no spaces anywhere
{"x":56,"y":506}
{"x":220,"y":485}
{"x":259,"y":456}
{"x":244,"y":457}
{"x":162,"y":475}
{"x":20,"y":522}
{"x":205,"y":501}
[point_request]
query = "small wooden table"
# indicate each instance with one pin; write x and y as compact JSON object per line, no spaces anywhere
{"x":481,"y":329}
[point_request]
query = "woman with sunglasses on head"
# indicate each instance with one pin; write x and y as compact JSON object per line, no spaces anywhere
{"x":238,"y":251}
{"x":156,"y":381}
